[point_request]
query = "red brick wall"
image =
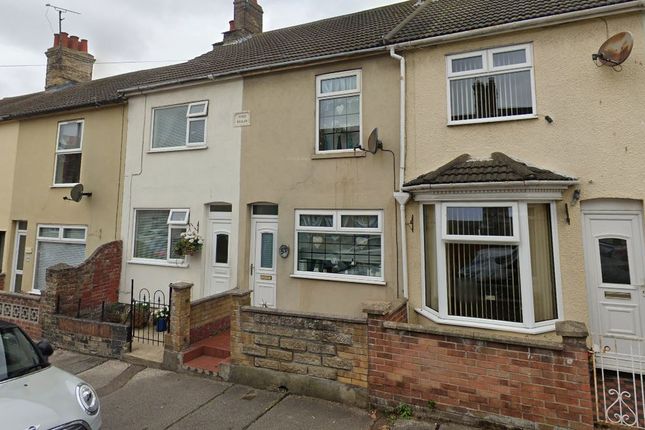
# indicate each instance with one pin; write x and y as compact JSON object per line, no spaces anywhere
{"x":94,"y":281}
{"x":209,"y":316}
{"x":545,"y":383}
{"x":23,"y":310}
{"x":2,"y":278}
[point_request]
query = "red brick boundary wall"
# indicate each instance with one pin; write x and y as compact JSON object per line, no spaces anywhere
{"x":481,"y":378}
{"x":210,"y":316}
{"x":22,"y":310}
{"x":2,"y":278}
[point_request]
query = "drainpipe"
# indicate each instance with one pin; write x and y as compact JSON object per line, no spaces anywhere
{"x":400,"y":196}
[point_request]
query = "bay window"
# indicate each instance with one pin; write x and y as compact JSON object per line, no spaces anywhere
{"x":340,"y":245}
{"x":491,"y":85}
{"x":491,"y":264}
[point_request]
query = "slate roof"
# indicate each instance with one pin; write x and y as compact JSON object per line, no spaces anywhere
{"x":499,"y":168}
{"x":307,"y":42}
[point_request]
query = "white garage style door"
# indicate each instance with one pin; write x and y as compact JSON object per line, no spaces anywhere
{"x":58,"y":244}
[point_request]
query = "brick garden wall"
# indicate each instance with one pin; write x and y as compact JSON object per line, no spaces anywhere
{"x":23,"y":310}
{"x":321,"y":346}
{"x":2,"y":278}
{"x":545,"y":383}
{"x":90,"y":337}
{"x":210,"y":316}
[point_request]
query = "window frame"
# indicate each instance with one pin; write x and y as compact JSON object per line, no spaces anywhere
{"x":332,"y":95}
{"x":189,"y":119}
{"x":488,"y":69}
{"x":58,"y":152}
{"x":515,"y":239}
{"x":59,"y":239}
{"x":528,"y":326}
{"x":175,"y":262}
{"x":336,"y":228}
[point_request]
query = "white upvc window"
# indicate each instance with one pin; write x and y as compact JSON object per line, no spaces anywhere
{"x":57,"y":244}
{"x":339,"y":245}
{"x":156,"y":232}
{"x":69,"y":146}
{"x":491,"y":85}
{"x":491,"y":265}
{"x":338,"y":111}
{"x":179,"y":126}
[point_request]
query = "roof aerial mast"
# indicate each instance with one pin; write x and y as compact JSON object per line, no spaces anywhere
{"x":61,"y":11}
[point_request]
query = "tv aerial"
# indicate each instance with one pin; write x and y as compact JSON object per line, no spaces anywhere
{"x":614,"y":51}
{"x":61,"y":11}
{"x":76,"y":194}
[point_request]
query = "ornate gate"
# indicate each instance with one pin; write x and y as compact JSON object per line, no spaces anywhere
{"x":149,"y":315}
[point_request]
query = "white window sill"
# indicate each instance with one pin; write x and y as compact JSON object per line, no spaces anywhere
{"x":163,"y":263}
{"x":338,"y":154}
{"x":489,"y":120}
{"x":35,"y":292}
{"x":64,"y":185}
{"x":322,"y":277}
{"x":549,"y":327}
{"x":179,"y":148}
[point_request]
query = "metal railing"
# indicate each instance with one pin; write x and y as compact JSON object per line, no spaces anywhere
{"x":149,"y":315}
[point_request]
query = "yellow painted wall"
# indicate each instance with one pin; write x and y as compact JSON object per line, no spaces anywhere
{"x":8,"y":146}
{"x":598,"y":134}
{"x":37,"y":202}
{"x":278,"y":166}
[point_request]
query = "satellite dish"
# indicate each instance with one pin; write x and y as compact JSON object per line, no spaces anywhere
{"x":615,"y":50}
{"x":373,"y":142}
{"x":76,"y":193}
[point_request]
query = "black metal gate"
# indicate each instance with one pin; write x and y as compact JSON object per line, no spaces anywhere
{"x":149,"y":315}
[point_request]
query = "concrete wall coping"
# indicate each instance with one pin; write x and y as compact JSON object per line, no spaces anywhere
{"x":34,"y":297}
{"x":310,"y":315}
{"x":383,"y":308}
{"x":85,"y":320}
{"x":573,"y":329}
{"x":440,"y":331}
{"x":181,"y":285}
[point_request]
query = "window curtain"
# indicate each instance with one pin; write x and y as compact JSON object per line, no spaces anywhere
{"x":151,"y":235}
{"x":316,"y":220}
{"x":169,"y":127}
{"x":51,"y":253}
{"x":543,"y":272}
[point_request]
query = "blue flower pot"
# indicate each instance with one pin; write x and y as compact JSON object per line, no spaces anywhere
{"x":162,"y":324}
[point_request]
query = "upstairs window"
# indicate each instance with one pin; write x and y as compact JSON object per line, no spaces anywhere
{"x":338,"y":98}
{"x":179,"y":126}
{"x":69,"y":142}
{"x":491,"y":85}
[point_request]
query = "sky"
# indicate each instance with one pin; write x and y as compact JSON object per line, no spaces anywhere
{"x":159,"y":31}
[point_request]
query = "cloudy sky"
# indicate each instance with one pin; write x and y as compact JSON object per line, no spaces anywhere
{"x":134,"y":30}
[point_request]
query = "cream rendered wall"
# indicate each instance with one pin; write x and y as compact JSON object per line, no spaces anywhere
{"x":37,"y":202}
{"x":181,"y":179}
{"x":8,"y":148}
{"x":279,"y":166}
{"x":597,"y":134}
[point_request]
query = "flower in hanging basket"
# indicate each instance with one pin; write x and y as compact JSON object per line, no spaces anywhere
{"x":189,"y":242}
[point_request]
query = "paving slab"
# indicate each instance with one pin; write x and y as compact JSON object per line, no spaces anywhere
{"x":235,"y":409}
{"x":104,"y":373}
{"x":156,"y":399}
{"x":297,"y":413}
{"x":422,"y":425}
{"x":74,"y":362}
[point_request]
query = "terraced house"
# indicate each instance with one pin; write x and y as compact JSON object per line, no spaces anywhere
{"x":475,"y":162}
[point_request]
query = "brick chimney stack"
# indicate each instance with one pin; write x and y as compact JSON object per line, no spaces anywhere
{"x":247,"y":20}
{"x":68,"y":61}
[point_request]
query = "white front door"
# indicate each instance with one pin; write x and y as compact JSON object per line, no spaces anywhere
{"x":264,"y":246}
{"x":219,"y":272}
{"x":20,"y":243}
{"x":615,"y":276}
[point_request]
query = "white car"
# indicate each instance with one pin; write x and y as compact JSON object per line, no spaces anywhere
{"x":37,"y":396}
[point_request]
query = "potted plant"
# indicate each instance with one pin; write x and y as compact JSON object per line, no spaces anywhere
{"x":189,"y":243}
{"x":161,"y":319}
{"x":140,"y":314}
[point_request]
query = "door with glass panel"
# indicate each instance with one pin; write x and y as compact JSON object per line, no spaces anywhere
{"x":19,"y":256}
{"x":263,"y":262}
{"x":615,"y":279}
{"x":220,"y":255}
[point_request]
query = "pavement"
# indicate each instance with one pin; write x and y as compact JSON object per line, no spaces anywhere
{"x":137,"y":397}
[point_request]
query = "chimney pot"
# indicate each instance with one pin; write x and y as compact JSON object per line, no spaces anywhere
{"x":231,"y":25}
{"x":56,"y":40}
{"x":64,"y":39}
{"x":73,"y":43}
{"x":82,"y":46}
